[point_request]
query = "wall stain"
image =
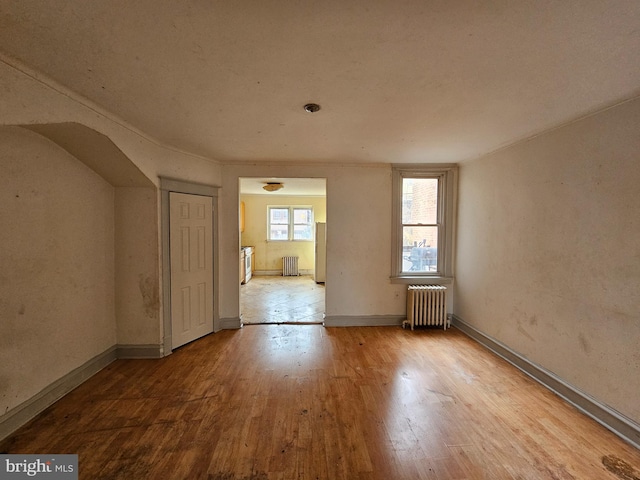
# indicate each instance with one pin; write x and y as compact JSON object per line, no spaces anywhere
{"x":621,"y":468}
{"x":533,"y":320}
{"x":21,"y":310}
{"x":525,"y":333}
{"x":586,"y":347}
{"x":150,"y":295}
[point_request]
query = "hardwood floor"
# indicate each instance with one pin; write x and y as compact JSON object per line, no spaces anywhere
{"x":308,"y":402}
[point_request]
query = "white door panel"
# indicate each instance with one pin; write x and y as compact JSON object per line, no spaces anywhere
{"x":190,"y":230}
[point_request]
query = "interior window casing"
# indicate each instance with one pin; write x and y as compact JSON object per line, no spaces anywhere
{"x":290,"y":223}
{"x":446,"y":175}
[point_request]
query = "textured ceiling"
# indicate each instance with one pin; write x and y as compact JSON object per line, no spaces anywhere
{"x":398,"y":81}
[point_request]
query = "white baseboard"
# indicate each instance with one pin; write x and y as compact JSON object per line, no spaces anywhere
{"x":363,"y":320}
{"x":232,"y":323}
{"x":622,"y":426}
{"x":140,"y":351}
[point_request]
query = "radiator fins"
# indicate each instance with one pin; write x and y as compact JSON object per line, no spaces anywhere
{"x":290,"y":266}
{"x":427,"y":306}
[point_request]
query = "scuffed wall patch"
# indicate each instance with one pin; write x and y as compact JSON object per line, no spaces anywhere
{"x":150,"y":295}
{"x":584,"y":344}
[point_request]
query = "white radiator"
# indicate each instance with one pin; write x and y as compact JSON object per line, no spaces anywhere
{"x":427,"y":306}
{"x":289,"y":266}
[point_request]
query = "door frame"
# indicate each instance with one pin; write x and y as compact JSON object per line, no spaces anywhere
{"x":284,"y":177}
{"x":168,"y":185}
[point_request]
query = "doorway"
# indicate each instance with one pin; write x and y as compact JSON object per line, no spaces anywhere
{"x":278,"y":222}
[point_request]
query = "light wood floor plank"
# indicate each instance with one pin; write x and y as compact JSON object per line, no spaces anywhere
{"x":305,"y":402}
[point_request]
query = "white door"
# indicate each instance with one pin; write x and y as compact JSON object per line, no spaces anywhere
{"x":191,"y":232}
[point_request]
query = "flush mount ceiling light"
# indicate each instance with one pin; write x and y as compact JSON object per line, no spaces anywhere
{"x":273,"y":186}
{"x":311,"y":107}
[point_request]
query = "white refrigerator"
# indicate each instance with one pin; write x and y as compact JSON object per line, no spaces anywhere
{"x":320,"y":272}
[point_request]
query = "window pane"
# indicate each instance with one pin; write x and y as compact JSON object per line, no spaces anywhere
{"x":279,"y":232}
{"x":302,"y":232}
{"x":419,"y":249}
{"x":420,"y":201}
{"x":279,"y":215}
{"x":302,"y":215}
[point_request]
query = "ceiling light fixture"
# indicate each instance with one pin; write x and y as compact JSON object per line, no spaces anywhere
{"x":273,"y":186}
{"x":311,"y":107}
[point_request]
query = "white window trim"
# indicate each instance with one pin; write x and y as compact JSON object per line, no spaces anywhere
{"x":447,"y":202}
{"x":291,"y":220}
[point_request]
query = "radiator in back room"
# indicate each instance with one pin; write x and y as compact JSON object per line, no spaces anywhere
{"x":427,"y":306}
{"x":289,"y":266}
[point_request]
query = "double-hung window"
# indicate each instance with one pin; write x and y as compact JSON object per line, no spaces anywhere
{"x":287,"y":223}
{"x":423,"y":221}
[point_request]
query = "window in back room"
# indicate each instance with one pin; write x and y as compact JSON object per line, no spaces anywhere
{"x":287,"y":223}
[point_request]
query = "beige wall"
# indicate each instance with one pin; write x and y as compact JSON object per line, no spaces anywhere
{"x":268,"y":255}
{"x":56,"y":265}
{"x":137,"y":263}
{"x":548,"y":257}
{"x":29,"y":98}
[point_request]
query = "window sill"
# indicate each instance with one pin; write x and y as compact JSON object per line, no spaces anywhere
{"x":422,"y":280}
{"x":291,"y":241}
